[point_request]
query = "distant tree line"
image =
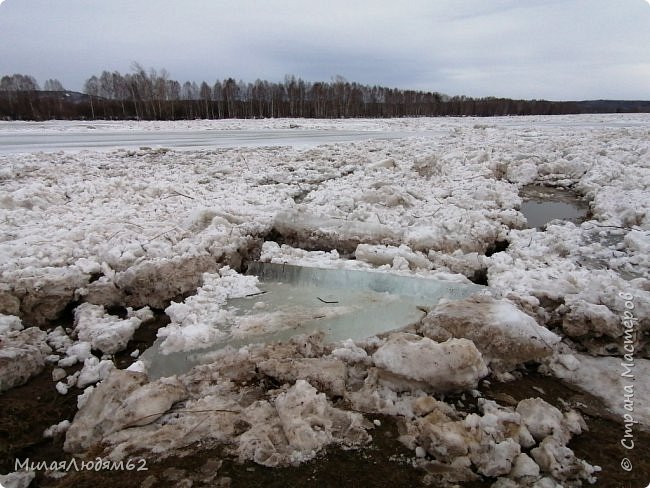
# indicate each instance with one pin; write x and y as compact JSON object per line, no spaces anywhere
{"x":153,"y":95}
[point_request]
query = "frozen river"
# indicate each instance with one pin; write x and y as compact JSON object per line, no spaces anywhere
{"x":51,"y":136}
{"x":33,"y":141}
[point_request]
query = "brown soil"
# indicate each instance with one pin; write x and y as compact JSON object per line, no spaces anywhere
{"x":25,"y":412}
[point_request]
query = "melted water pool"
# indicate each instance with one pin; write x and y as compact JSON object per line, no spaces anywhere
{"x":543,"y":204}
{"x":343,"y":304}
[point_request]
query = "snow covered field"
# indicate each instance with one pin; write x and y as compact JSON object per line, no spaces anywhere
{"x":137,"y":228}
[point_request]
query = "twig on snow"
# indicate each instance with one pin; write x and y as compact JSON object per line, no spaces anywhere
{"x":256,"y":294}
{"x":326,"y":301}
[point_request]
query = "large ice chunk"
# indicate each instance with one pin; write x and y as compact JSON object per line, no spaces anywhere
{"x":504,"y":334}
{"x":301,"y":424}
{"x":608,"y":378}
{"x":452,"y":365}
{"x":105,"y":332}
{"x":122,"y":400}
{"x":9,"y":323}
{"x":22,"y":355}
{"x":308,"y":228}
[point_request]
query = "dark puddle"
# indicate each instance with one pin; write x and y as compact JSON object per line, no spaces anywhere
{"x":543,"y":204}
{"x":142,"y":339}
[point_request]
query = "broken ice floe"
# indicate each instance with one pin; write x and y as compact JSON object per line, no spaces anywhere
{"x":272,"y":428}
{"x":543,"y":273}
{"x":454,"y":364}
{"x":104,"y":332}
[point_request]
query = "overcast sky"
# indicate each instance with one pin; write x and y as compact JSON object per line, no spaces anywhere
{"x":552,"y":49}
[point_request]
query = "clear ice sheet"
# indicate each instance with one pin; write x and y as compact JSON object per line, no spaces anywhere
{"x":344,"y":304}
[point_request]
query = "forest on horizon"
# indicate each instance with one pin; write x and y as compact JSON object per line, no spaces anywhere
{"x":153,"y":95}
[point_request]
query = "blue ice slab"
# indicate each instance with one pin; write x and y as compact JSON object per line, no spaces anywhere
{"x":343,"y":304}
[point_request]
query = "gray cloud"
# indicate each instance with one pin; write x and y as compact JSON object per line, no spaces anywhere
{"x":555,"y":49}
